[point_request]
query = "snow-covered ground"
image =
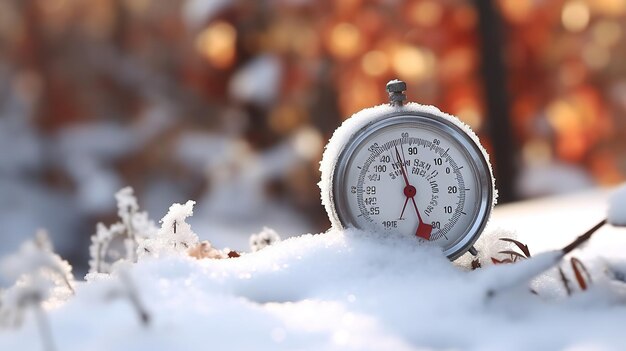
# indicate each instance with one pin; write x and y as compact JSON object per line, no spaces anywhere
{"x":355,"y":290}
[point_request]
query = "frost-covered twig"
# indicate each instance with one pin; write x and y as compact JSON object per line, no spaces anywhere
{"x":175,"y":235}
{"x":36,"y":269}
{"x":134,"y":227}
{"x":37,"y":260}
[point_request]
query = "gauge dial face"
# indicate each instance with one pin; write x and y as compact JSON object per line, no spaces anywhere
{"x":418,"y":176}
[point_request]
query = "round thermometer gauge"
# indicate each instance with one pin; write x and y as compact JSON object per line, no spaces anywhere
{"x":411,"y":170}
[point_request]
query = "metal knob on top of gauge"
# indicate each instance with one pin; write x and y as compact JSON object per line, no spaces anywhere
{"x":409,"y":169}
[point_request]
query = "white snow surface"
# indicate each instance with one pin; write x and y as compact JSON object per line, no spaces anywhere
{"x":353,"y":290}
{"x":617,"y":207}
{"x":361,"y":119}
{"x":341,"y":290}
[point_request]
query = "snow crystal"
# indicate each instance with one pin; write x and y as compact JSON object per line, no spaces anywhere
{"x":361,"y":119}
{"x":617,"y":207}
{"x":266,"y":237}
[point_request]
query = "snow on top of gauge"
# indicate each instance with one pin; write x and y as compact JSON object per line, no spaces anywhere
{"x":360,"y":120}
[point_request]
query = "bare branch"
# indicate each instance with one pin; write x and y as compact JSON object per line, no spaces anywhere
{"x":583,"y":238}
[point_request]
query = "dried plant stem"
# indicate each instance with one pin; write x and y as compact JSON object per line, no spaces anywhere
{"x":565,"y":282}
{"x":583,"y":238}
{"x":69,"y":286}
{"x":44,"y":328}
{"x":564,"y":251}
{"x":579,"y":268}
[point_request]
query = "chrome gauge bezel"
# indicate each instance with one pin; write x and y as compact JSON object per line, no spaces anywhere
{"x":341,"y":216}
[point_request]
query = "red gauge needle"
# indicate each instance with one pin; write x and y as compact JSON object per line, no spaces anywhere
{"x":423,"y":229}
{"x":404,"y":207}
{"x":408,"y":188}
{"x":406,"y":179}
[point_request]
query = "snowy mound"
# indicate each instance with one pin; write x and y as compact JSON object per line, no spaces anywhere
{"x":333,"y":291}
{"x":617,"y":207}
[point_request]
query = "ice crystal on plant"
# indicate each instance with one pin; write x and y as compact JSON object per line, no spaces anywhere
{"x":37,"y":273}
{"x":175,"y":235}
{"x":127,"y":235}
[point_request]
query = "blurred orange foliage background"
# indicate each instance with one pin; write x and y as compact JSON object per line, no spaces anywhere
{"x":260,"y":74}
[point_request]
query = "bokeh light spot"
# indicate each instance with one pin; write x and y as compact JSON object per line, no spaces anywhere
{"x":575,"y":16}
{"x":517,"y":11}
{"x":345,"y":40}
{"x":537,"y":151}
{"x":375,"y":63}
{"x":412,"y":63}
{"x":471,"y":116}
{"x":426,"y":13}
{"x":595,"y":56}
{"x":217,"y":44}
{"x":607,"y":33}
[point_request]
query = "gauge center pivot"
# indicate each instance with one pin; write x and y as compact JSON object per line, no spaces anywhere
{"x":410,"y":191}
